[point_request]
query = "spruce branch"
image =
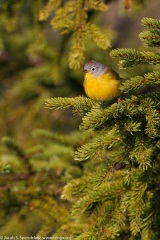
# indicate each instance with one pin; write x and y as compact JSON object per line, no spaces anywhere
{"x":96,"y":35}
{"x":151,"y":22}
{"x":13,"y":146}
{"x":99,"y":118}
{"x":79,"y":104}
{"x":74,"y":139}
{"x":131,"y":57}
{"x":80,"y":187}
{"x":151,"y":38}
{"x":97,"y":5}
{"x":137,"y":205}
{"x":94,"y":119}
{"x":132,"y":126}
{"x":46,"y":10}
{"x":150,"y":57}
{"x":95,"y":149}
{"x":87,"y":236}
{"x":137,"y":82}
{"x":73,"y":18}
{"x":102,"y":232}
{"x":142,"y":153}
{"x":70,"y":17}
{"x":4,"y":179}
{"x":35,"y":151}
{"x":88,"y":204}
{"x":152,"y":117}
{"x":115,"y":222}
{"x":49,"y":214}
{"x":76,"y":54}
{"x":147,"y":232}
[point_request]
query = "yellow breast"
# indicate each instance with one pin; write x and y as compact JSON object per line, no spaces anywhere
{"x":103,"y":87}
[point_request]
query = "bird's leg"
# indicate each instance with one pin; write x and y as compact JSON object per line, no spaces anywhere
{"x":120,"y":100}
{"x":102,"y":104}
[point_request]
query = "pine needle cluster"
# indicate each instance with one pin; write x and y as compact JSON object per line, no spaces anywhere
{"x":31,"y":182}
{"x":73,"y":19}
{"x":118,"y":194}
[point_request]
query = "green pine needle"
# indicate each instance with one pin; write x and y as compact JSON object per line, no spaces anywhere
{"x":137,"y":82}
{"x":151,"y":22}
{"x":79,"y":104}
{"x":97,"y":147}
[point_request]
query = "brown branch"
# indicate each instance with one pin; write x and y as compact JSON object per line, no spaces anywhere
{"x":8,"y":178}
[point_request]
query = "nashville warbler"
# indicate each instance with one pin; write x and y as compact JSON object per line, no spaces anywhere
{"x":101,"y":82}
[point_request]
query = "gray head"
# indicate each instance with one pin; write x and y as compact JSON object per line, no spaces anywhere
{"x":96,"y":68}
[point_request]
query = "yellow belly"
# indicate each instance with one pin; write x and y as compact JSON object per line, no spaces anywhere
{"x":102,"y":88}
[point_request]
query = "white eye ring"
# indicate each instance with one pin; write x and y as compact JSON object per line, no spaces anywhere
{"x":93,"y":69}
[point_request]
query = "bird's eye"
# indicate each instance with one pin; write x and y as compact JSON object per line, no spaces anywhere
{"x":93,"y":69}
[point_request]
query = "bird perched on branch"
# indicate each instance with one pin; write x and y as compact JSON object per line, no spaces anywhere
{"x":101,"y":82}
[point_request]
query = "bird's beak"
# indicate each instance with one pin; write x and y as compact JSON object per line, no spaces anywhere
{"x":85,"y":71}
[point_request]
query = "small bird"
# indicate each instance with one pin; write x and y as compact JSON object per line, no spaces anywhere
{"x":101,"y":82}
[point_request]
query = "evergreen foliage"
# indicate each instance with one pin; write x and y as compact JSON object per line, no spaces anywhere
{"x":73,"y":18}
{"x":151,"y":38}
{"x":119,"y":194}
{"x":32,"y":180}
{"x":97,"y":183}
